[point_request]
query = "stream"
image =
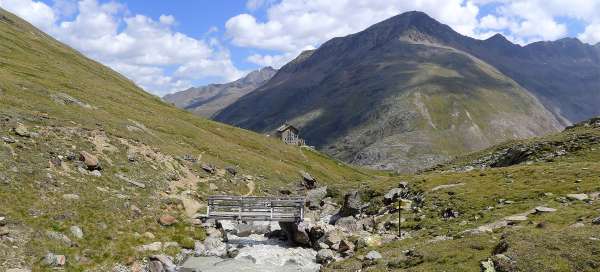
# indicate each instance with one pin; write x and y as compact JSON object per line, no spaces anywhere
{"x":256,"y":254}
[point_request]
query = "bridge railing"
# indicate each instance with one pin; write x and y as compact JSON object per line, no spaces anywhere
{"x":252,"y":208}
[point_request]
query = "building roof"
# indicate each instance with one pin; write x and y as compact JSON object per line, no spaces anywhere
{"x":285,"y":127}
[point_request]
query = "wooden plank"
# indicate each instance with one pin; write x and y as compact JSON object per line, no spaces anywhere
{"x":284,"y":209}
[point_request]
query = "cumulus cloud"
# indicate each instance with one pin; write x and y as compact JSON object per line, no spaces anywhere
{"x":293,"y":25}
{"x":148,"y":51}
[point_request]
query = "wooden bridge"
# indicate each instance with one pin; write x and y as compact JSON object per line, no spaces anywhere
{"x":252,"y":208}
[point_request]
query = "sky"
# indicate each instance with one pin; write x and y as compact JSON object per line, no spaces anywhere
{"x":169,"y":46}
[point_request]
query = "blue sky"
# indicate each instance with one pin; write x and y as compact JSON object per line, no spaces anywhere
{"x":168,"y":46}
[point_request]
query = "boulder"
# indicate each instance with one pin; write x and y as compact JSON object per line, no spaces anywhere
{"x":70,"y":197}
{"x":156,"y":246}
{"x":208,"y":168}
{"x":52,"y":259}
{"x":596,"y":221}
{"x":57,"y":236}
{"x":21,"y":130}
{"x":373,"y":255}
{"x":90,"y":161}
{"x":231,"y":170}
{"x":487,"y":266}
{"x":155,"y":266}
{"x":352,"y":204}
{"x":503,"y":263}
{"x":333,"y":238}
{"x":166,"y":262}
{"x":346,"y":247}
{"x":392,"y":196}
{"x":516,"y":218}
{"x":325,"y":256}
{"x":246,"y":229}
{"x":369,"y":240}
{"x":212,"y":246}
{"x":349,"y":224}
{"x":450,"y":213}
{"x":315,"y":234}
{"x":542,"y":209}
{"x":314,"y":197}
{"x":77,"y":232}
{"x":307,"y":180}
{"x":167,"y":220}
{"x":580,"y":197}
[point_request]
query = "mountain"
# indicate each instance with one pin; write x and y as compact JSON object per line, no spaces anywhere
{"x":208,"y":100}
{"x":89,"y":162}
{"x":402,"y":94}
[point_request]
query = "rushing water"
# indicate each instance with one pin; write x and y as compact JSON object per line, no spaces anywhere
{"x":257,"y":254}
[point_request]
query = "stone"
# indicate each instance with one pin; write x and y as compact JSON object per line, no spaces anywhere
{"x":96,"y":173}
{"x":21,"y":130}
{"x":231,"y":170}
{"x":596,"y":221}
{"x":149,"y":235}
{"x":516,"y":218}
{"x":208,"y":168}
{"x":155,"y":266}
{"x":580,"y":197}
{"x":346,"y":247}
{"x":314,"y":197}
{"x":373,"y":255}
{"x":325,"y":256}
{"x":156,"y":246}
{"x":2,"y":220}
{"x":57,"y":236}
{"x":4,"y":232}
{"x":18,"y":270}
{"x":167,"y":220}
{"x":333,"y":238}
{"x":77,"y":232}
{"x":308,"y":181}
{"x":212,"y":246}
{"x":128,"y":180}
{"x":392,"y":196}
{"x":542,"y":209}
{"x":90,"y":161}
{"x":352,"y":204}
{"x":349,"y":224}
{"x":166,"y":262}
{"x":70,"y":197}
{"x":315,"y":234}
{"x":503,"y":263}
{"x":52,"y":259}
{"x":369,"y":240}
{"x":213,"y":187}
{"x":450,"y":213}
{"x":487,"y":266}
{"x":8,"y":140}
{"x":190,"y":206}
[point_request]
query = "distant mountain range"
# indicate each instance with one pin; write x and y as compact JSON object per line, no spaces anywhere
{"x":207,"y":100}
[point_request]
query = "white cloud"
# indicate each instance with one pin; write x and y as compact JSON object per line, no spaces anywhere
{"x":148,"y":51}
{"x":294,"y":25}
{"x":591,"y":34}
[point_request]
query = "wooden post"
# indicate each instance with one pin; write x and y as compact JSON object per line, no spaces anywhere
{"x":399,"y":217}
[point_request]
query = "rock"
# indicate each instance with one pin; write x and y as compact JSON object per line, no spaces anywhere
{"x":346,"y":247}
{"x":166,"y":262}
{"x":96,"y":173}
{"x":325,"y":256}
{"x":369,"y":240}
{"x":503,"y":263}
{"x":516,"y":218}
{"x":90,"y":161}
{"x":352,"y":204}
{"x":314,"y":197}
{"x":52,"y":259}
{"x":208,"y":168}
{"x":4,"y":232}
{"x":349,"y":224}
{"x":70,"y":197}
{"x":307,"y":180}
{"x":190,"y":206}
{"x":77,"y":232}
{"x":212,"y":246}
{"x":21,"y":130}
{"x":135,"y":211}
{"x":18,"y":270}
{"x":487,"y":266}
{"x":246,"y":229}
{"x":542,"y":209}
{"x":156,"y":246}
{"x":373,"y":255}
{"x":231,"y":170}
{"x":155,"y":266}
{"x":57,"y":236}
{"x":450,"y":213}
{"x":596,"y":221}
{"x":128,"y":180}
{"x":213,"y":187}
{"x":580,"y":197}
{"x":333,"y":238}
{"x":167,"y":220}
{"x":8,"y":140}
{"x":2,"y":220}
{"x":392,"y":196}
{"x":315,"y":234}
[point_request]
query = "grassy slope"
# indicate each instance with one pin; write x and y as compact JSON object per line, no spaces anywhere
{"x":123,"y":119}
{"x":557,"y":246}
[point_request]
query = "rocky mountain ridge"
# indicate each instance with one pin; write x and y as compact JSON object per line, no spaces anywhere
{"x":401,"y":95}
{"x":209,"y":100}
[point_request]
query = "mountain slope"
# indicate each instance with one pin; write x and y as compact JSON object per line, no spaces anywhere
{"x":83,"y":147}
{"x":208,"y":100}
{"x":394,"y":96}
